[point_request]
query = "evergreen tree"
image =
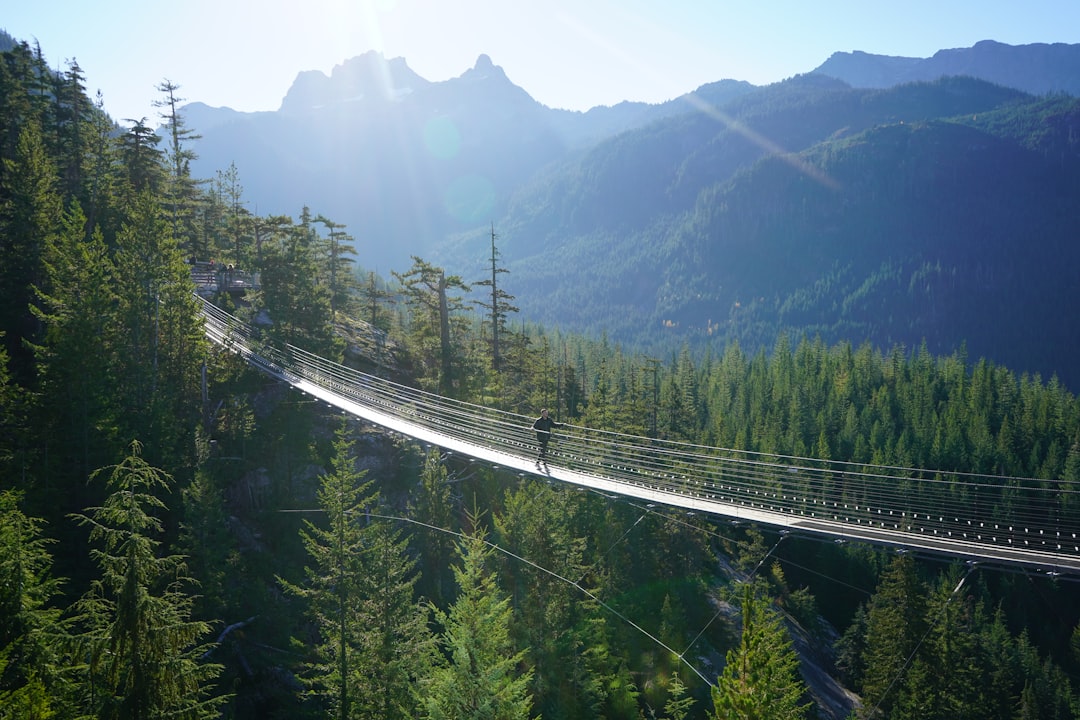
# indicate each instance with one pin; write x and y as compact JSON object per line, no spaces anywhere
{"x":427,"y":294}
{"x":498,"y":305}
{"x":679,"y":703}
{"x":480,"y":675}
{"x":135,"y":632}
{"x":103,"y":174}
{"x":895,"y":623}
{"x":761,"y":679}
{"x":298,"y":305}
{"x":30,"y":209}
{"x":207,"y":542}
{"x":431,"y":503}
{"x":160,"y":335}
{"x":336,"y":267}
{"x":396,"y":644}
{"x":73,"y":123}
{"x":238,"y":222}
{"x":926,"y":692}
{"x":999,"y":680}
{"x":30,"y":667}
{"x":20,"y":105}
{"x":76,"y":357}
{"x":142,"y":161}
{"x":537,"y":524}
{"x":11,"y":422}
{"x":373,"y":297}
{"x":182,"y":190}
{"x":851,"y":650}
{"x":334,"y":586}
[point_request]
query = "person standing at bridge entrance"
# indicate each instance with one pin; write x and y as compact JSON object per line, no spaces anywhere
{"x":543,"y":426}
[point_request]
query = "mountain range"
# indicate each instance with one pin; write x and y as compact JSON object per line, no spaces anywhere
{"x":897,"y":201}
{"x":1039,"y":68}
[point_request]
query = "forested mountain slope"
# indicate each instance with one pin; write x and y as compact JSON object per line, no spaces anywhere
{"x":734,"y":212}
{"x":938,"y":212}
{"x":179,"y":535}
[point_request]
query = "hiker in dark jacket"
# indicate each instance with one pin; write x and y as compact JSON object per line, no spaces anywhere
{"x":543,"y":426}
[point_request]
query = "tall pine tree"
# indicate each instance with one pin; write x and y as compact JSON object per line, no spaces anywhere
{"x":141,"y":649}
{"x":761,"y":679}
{"x":481,"y":674}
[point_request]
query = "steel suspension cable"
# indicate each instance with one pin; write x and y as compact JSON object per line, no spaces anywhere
{"x":1000,"y":512}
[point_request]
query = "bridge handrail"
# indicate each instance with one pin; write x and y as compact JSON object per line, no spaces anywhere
{"x":965,"y":507}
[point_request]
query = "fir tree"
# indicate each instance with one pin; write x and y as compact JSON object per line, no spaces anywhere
{"x":30,"y":682}
{"x":159,"y":334}
{"x":895,"y":622}
{"x":480,"y":675}
{"x":336,"y":267}
{"x":30,"y":211}
{"x":761,"y":678}
{"x":291,"y":293}
{"x":498,"y":305}
{"x":76,"y":357}
{"x":395,"y":643}
{"x":136,"y":636}
{"x":427,"y":293}
{"x":335,"y":581}
{"x":374,"y":641}
{"x":431,"y":504}
{"x":182,"y":190}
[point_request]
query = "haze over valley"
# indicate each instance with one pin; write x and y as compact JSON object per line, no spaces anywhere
{"x":872,"y":198}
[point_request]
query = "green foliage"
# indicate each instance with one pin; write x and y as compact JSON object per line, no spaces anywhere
{"x":373,"y":639}
{"x":298,"y":305}
{"x":431,"y":504}
{"x":945,"y":656}
{"x":335,"y":268}
{"x":895,"y":625}
{"x":135,"y":635}
{"x":679,"y":704}
{"x":862,"y":229}
{"x":181,"y":189}
{"x":480,"y":673}
{"x":761,"y":679}
{"x":538,"y":523}
{"x":770,"y":260}
{"x":30,"y":625}
{"x":436,"y":326}
{"x":205,"y":540}
{"x":78,"y":360}
{"x":30,"y":207}
{"x":333,"y":587}
{"x":497,"y":305}
{"x":395,"y":654}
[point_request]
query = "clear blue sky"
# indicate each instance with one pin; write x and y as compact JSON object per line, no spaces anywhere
{"x":572,"y":54}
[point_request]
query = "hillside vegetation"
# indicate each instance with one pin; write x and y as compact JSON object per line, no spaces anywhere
{"x":941,"y":213}
{"x":182,"y":536}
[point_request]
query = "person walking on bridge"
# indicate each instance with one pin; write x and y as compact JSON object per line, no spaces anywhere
{"x":543,"y":426}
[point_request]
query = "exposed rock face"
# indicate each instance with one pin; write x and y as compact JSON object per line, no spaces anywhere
{"x":366,"y":78}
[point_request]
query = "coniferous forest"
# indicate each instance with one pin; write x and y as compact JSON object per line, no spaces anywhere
{"x":182,"y":536}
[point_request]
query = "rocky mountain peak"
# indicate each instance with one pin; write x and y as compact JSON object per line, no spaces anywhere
{"x":369,"y":77}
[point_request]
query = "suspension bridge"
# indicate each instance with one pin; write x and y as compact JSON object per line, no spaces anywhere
{"x":987,"y":519}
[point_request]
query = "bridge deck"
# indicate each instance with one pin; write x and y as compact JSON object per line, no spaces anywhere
{"x":847,"y":503}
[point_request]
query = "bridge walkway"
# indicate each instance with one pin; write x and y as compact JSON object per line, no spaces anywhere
{"x":952,"y":514}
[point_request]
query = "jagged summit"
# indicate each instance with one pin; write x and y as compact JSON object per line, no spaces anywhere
{"x":366,"y":77}
{"x":483,"y":69}
{"x":371,"y":77}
